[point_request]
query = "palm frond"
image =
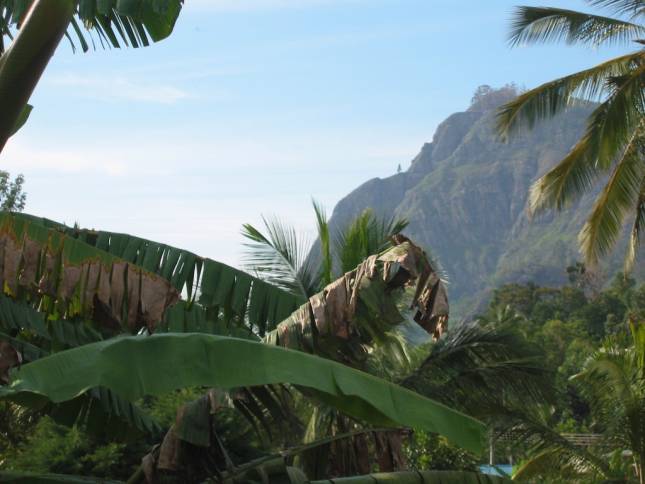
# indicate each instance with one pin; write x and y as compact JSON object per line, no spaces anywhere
{"x":609,"y":129}
{"x":364,"y":236}
{"x":631,"y":8}
{"x":483,"y":370}
{"x":551,"y":98}
{"x":325,"y":244}
{"x":280,"y":257}
{"x":529,"y":426}
{"x":555,"y":462}
{"x":546,"y":24}
{"x":618,"y":197}
{"x":635,"y":233}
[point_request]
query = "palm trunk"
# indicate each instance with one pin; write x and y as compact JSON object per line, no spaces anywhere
{"x":23,"y":63}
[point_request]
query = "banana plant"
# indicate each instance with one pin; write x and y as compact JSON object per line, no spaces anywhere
{"x":40,"y":26}
{"x":71,"y":293}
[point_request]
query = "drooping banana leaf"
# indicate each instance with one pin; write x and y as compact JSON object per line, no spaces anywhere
{"x":365,"y":304}
{"x":387,"y":289}
{"x":136,"y":366}
{"x":223,"y":292}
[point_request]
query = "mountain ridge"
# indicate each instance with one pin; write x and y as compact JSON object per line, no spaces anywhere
{"x":465,"y":196}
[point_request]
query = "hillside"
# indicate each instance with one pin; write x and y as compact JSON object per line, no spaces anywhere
{"x":465,"y":195}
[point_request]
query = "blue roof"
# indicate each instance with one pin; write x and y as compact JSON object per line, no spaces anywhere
{"x":495,"y":469}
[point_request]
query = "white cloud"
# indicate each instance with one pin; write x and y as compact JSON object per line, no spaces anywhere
{"x":22,"y":157}
{"x":120,"y":88}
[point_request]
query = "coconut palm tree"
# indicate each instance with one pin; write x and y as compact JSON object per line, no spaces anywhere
{"x":285,"y":259}
{"x":36,"y":27}
{"x":473,"y":368}
{"x":614,"y":139}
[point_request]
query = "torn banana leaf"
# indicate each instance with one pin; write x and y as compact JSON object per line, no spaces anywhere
{"x":382,"y":292}
{"x":78,"y":279}
{"x":223,"y":292}
{"x":136,"y":366}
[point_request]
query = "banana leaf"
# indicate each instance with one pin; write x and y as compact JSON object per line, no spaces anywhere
{"x":367,"y":303}
{"x":136,"y":366}
{"x":22,"y":64}
{"x":67,"y":276}
{"x":223,"y":292}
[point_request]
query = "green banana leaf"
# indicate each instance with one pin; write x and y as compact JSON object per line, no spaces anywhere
{"x":220,"y":291}
{"x":22,"y":64}
{"x":116,"y":22}
{"x":136,"y":366}
{"x":135,"y":22}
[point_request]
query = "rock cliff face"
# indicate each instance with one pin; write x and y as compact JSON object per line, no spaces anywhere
{"x":465,"y":196}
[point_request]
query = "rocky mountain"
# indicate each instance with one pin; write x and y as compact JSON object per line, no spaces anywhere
{"x":465,"y":196}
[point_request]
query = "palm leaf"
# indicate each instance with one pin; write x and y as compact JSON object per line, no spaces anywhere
{"x":325,"y":244}
{"x":527,"y":426}
{"x":558,"y":463}
{"x":635,"y":233}
{"x":609,"y":129}
{"x":618,"y":197}
{"x":632,"y":8}
{"x":483,"y":371}
{"x":364,"y":236}
{"x":280,"y":257}
{"x":545,"y":24}
{"x":549,"y":99}
{"x":166,"y":362}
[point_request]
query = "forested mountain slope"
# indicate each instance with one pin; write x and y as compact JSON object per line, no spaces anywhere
{"x":465,"y":195}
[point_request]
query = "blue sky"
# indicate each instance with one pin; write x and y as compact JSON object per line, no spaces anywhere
{"x":254,"y":106}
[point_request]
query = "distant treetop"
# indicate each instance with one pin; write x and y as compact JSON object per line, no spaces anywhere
{"x":487,"y":97}
{"x":12,"y":197}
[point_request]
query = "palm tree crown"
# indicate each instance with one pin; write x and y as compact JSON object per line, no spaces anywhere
{"x":613,"y":142}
